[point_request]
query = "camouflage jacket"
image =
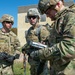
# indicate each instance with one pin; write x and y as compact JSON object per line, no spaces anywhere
{"x":9,"y":42}
{"x":62,"y":52}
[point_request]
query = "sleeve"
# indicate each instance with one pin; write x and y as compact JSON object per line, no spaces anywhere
{"x":66,"y":47}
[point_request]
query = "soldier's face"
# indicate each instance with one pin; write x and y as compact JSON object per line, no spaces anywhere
{"x":32,"y":20}
{"x":8,"y":24}
{"x":51,"y":12}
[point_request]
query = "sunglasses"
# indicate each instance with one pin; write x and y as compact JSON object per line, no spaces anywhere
{"x":29,"y":17}
{"x":9,"y":22}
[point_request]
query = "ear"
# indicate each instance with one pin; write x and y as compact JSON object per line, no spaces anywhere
{"x":58,"y":4}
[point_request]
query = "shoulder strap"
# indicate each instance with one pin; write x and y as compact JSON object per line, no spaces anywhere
{"x":29,"y":30}
{"x":38,"y":31}
{"x":12,"y":33}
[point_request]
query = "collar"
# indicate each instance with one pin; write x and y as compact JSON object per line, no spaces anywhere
{"x":61,"y":12}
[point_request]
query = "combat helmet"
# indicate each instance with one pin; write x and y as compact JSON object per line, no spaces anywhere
{"x":43,"y":5}
{"x":33,"y":12}
{"x":7,"y":17}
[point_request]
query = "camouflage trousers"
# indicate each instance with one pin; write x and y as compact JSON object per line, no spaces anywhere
{"x":33,"y":66}
{"x":6,"y":70}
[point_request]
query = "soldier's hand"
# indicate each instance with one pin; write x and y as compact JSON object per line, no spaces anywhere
{"x":25,"y":48}
{"x":43,"y":53}
{"x":10,"y":59}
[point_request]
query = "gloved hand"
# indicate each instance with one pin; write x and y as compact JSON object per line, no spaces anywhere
{"x":25,"y":48}
{"x":43,"y":54}
{"x":17,"y":56}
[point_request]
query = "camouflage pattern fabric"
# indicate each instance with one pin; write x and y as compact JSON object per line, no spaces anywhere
{"x":43,"y":5}
{"x":62,"y":52}
{"x":7,"y":17}
{"x":6,"y":71}
{"x":9,"y":44}
{"x":38,"y":34}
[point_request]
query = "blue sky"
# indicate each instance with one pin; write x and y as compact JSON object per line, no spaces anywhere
{"x":11,"y":7}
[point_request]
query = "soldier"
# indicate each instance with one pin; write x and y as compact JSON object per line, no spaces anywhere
{"x":8,"y":45}
{"x":62,"y":52}
{"x":36,"y":33}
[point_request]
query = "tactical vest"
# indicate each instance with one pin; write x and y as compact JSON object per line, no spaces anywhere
{"x":7,"y":42}
{"x":33,"y":34}
{"x":39,"y":34}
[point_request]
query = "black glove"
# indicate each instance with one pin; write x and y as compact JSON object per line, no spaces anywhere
{"x":3,"y":55}
{"x":17,"y":56}
{"x":12,"y":58}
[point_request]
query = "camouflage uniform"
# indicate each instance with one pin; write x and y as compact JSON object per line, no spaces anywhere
{"x":62,"y":52}
{"x":38,"y":34}
{"x":8,"y":44}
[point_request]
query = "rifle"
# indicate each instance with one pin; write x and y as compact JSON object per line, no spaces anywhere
{"x":24,"y":63}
